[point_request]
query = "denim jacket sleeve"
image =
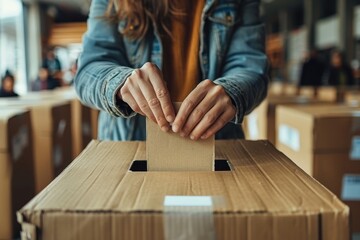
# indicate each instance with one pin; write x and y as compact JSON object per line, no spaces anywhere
{"x":103,"y":64}
{"x":244,"y":75}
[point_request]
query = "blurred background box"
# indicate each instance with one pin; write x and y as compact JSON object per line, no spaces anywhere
{"x":51,"y":125}
{"x":17,"y":181}
{"x":260,"y":123}
{"x":83,"y":118}
{"x":327,"y":94}
{"x":325,"y":142}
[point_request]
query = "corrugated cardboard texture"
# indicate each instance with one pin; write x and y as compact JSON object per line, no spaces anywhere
{"x":266,"y":194}
{"x":17,"y":185}
{"x":168,"y":151}
{"x":325,"y":135}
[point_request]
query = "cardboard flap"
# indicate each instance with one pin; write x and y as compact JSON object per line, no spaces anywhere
{"x":168,"y":151}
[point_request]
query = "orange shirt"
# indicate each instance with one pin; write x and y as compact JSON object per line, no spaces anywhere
{"x":181,"y":66}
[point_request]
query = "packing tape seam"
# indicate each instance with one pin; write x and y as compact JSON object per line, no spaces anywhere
{"x":190,"y":217}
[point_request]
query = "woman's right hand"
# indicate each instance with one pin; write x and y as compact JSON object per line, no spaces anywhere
{"x":146,"y":93}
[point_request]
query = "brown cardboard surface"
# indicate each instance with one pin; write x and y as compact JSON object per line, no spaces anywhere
{"x":168,"y":151}
{"x":327,"y":94}
{"x":307,"y":91}
{"x":290,"y":101}
{"x":262,"y":120}
{"x":16,"y":168}
{"x":82,"y":130}
{"x":330,"y":169}
{"x":325,"y":143}
{"x":255,"y":124}
{"x":53,"y":149}
{"x":51,"y":125}
{"x":94,"y":122}
{"x":266,"y":194}
{"x":6,"y":231}
{"x":352,"y":97}
{"x":321,"y":126}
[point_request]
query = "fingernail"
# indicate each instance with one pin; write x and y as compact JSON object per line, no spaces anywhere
{"x":170,"y":118}
{"x":203,"y":137}
{"x":175,"y":128}
{"x":192,"y":137}
{"x":182,"y":134}
{"x":165,"y":128}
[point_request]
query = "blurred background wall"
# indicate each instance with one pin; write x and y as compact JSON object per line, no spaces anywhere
{"x":28,"y":28}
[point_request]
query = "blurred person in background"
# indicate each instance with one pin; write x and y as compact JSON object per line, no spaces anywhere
{"x":7,"y":85}
{"x":45,"y":81}
{"x":339,"y":72}
{"x":140,"y":56}
{"x":312,"y":70}
{"x":52,"y":63}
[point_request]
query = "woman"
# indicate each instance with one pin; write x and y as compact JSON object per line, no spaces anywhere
{"x":139,"y":56}
{"x":339,"y":73}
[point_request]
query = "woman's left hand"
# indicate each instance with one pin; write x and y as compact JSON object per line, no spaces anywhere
{"x":204,"y":111}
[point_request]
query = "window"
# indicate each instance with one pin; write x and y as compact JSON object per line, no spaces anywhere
{"x":12,"y":42}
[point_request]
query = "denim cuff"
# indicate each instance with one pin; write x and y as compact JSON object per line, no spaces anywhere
{"x":112,"y":85}
{"x":236,"y":94}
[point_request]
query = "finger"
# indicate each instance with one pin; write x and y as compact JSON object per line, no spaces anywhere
{"x":140,"y":100}
{"x":129,"y":100}
{"x":197,"y":114}
{"x":153,"y":104}
{"x":219,"y":124}
{"x":210,"y":118}
{"x":161,"y":91}
{"x":190,"y":102}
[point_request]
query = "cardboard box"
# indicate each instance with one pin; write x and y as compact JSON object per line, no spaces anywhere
{"x":100,"y":196}
{"x":17,"y":184}
{"x":307,"y":91}
{"x":51,"y":125}
{"x":324,"y":141}
{"x":81,"y":115}
{"x":352,"y":97}
{"x":94,"y":122}
{"x":328,"y":94}
{"x":316,"y":129}
{"x":260,"y":123}
{"x":255,"y":124}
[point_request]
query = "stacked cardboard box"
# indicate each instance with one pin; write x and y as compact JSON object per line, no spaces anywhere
{"x":81,"y":115}
{"x":325,"y":142}
{"x":17,"y":184}
{"x":260,"y":124}
{"x":352,"y":97}
{"x":51,"y":125}
{"x":328,"y":94}
{"x":264,"y":195}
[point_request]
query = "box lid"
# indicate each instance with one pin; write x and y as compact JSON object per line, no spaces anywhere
{"x":262,"y":180}
{"x":42,"y":111}
{"x":324,"y":124}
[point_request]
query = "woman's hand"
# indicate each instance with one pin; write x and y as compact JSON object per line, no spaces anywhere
{"x":204,"y":111}
{"x":146,"y":93}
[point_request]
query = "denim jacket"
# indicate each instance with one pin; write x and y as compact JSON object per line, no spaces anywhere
{"x":232,"y":54}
